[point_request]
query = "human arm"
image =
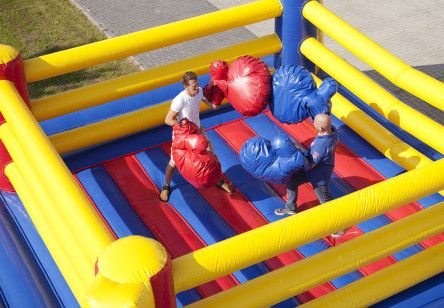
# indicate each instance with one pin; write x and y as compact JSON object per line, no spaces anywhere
{"x":313,"y":159}
{"x":209,"y":104}
{"x":314,"y":155}
{"x":171,"y":118}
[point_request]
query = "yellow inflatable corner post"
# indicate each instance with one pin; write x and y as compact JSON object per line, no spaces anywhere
{"x":134,"y":271}
{"x":11,"y":68}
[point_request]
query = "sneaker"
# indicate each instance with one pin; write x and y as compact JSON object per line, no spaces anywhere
{"x":165,"y":193}
{"x":284,"y":211}
{"x":338,"y":234}
{"x":225,"y":186}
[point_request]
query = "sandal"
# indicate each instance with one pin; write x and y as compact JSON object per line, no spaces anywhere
{"x":225,"y":186}
{"x":165,"y":193}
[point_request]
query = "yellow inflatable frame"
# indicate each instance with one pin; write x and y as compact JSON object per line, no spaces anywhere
{"x":76,"y":236}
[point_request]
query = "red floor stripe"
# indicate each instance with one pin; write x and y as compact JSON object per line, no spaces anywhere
{"x":161,"y":218}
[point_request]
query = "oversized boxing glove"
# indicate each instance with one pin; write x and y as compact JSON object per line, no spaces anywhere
{"x":248,"y":86}
{"x":319,"y":100}
{"x":218,"y":77}
{"x":290,"y":85}
{"x":219,"y":70}
{"x":295,"y":96}
{"x":213,"y":93}
{"x":272,"y":161}
{"x":190,"y":153}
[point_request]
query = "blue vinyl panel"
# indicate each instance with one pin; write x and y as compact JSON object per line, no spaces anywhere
{"x":22,"y":282}
{"x":47,"y":265}
{"x":374,"y":158}
{"x":120,"y":106}
{"x":429,"y":293}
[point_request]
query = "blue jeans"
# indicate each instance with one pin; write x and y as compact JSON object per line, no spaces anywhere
{"x":299,"y":178}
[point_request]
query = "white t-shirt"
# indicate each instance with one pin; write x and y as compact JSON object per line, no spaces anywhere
{"x":187,"y":106}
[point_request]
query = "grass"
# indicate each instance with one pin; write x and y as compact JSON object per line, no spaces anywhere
{"x":38,"y":27}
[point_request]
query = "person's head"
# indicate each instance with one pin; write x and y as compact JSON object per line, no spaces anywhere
{"x":322,"y":123}
{"x":190,"y":83}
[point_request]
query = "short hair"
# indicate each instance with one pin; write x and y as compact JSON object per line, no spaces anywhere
{"x":187,"y":77}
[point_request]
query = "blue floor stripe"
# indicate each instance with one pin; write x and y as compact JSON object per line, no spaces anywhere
{"x":429,"y":293}
{"x":431,"y":200}
{"x":111,"y":202}
{"x":119,"y":214}
{"x":195,"y":209}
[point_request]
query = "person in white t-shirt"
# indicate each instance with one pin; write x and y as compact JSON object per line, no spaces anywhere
{"x":186,"y":105}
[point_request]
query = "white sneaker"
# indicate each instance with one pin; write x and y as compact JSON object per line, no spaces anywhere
{"x":338,"y":234}
{"x":284,"y":211}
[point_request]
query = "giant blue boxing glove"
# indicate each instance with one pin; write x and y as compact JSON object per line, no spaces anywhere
{"x":319,"y":101}
{"x":272,"y":161}
{"x":295,"y":96}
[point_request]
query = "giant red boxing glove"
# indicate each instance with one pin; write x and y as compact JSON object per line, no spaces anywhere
{"x":219,"y":70}
{"x":248,"y":86}
{"x":190,"y":153}
{"x":218,"y":73}
{"x":213,"y":93}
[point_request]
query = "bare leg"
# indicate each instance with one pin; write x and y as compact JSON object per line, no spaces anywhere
{"x":166,"y":189}
{"x":169,"y":172}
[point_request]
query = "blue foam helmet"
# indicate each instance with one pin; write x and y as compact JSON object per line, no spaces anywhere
{"x":295,"y":96}
{"x":272,"y":161}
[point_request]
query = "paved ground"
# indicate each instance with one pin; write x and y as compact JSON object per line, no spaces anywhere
{"x":410,"y":29}
{"x":137,"y":15}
